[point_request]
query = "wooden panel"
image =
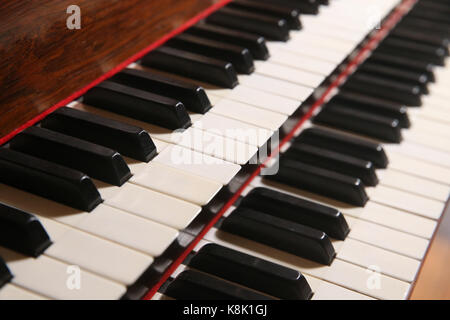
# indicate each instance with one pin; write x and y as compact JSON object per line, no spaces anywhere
{"x":433,"y":282}
{"x":43,"y":62}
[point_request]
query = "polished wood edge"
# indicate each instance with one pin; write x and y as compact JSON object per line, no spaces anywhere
{"x":433,"y":279}
{"x":359,"y":58}
{"x":19,"y":111}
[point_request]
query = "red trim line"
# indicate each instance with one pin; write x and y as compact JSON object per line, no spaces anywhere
{"x":393,"y":19}
{"x":116,"y":69}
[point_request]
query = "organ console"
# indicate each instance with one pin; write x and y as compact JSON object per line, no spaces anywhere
{"x":224,"y":149}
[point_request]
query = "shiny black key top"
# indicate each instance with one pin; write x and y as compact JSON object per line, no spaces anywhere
{"x":303,"y":6}
{"x":22,"y":232}
{"x":285,"y":235}
{"x":48,"y":180}
{"x":195,"y":66}
{"x":321,"y":181}
{"x":291,"y":15}
{"x":255,"y":43}
{"x":408,"y":77}
{"x":239,"y":56}
{"x":332,"y":140}
{"x":416,"y":34}
{"x":332,"y":160}
{"x":404,"y":63}
{"x":374,"y":105}
{"x":308,"y":213}
{"x":138,"y":104}
{"x":361,"y":122}
{"x":251,"y":272}
{"x":129,"y":140}
{"x":98,"y":162}
{"x":194,"y":285}
{"x":192,"y":96}
{"x":267,"y":26}
{"x":385,"y":88}
{"x":5,"y":274}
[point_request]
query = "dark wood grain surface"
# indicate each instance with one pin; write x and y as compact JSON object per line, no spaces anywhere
{"x":43,"y":62}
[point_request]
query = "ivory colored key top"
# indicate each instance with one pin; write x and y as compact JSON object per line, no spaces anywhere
{"x":94,"y":254}
{"x":421,"y":153}
{"x":234,"y":129}
{"x":284,"y":57}
{"x":440,"y":143}
{"x":246,"y":113}
{"x":13,"y":292}
{"x":419,"y":168}
{"x":198,"y":164}
{"x":366,"y":256}
{"x":104,"y":221}
{"x":49,"y":277}
{"x":216,"y":145}
{"x":177,"y":183}
{"x":419,"y":186}
{"x":388,"y":239}
{"x":150,"y":204}
{"x":405,"y":201}
{"x":276,"y":86}
{"x":311,"y":50}
{"x":327,"y":291}
{"x":261,"y":99}
{"x":288,"y":74}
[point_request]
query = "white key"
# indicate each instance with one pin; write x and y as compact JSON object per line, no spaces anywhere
{"x":252,"y":115}
{"x":385,"y":238}
{"x":198,"y":164}
{"x":13,"y":292}
{"x":418,"y":186}
{"x":405,"y":201}
{"x":287,"y":58}
{"x":427,"y":139}
{"x":51,"y":278}
{"x":263,"y":100}
{"x":367,"y":256}
{"x":433,"y":127}
{"x":310,"y":50}
{"x":177,"y":183}
{"x":420,"y":152}
{"x":234,"y":129}
{"x":288,"y":74}
{"x":411,"y":166}
{"x":327,"y":291}
{"x":151,"y":205}
{"x":276,"y":86}
{"x":94,"y":254}
{"x":104,"y":221}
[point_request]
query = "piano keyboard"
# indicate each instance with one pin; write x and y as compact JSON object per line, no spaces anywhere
{"x":115,"y":183}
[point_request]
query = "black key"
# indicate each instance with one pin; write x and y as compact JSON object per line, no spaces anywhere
{"x":426,"y":25}
{"x":407,"y":77}
{"x":192,"y":96}
{"x":321,"y":181}
{"x":5,"y":274}
{"x":344,"y":143}
{"x":255,"y":43}
{"x":239,"y":56}
{"x":432,"y":15}
{"x":194,"y":285}
{"x":22,"y":232}
{"x":252,"y":272}
{"x":304,"y":6}
{"x":427,"y":37}
{"x":314,"y":215}
{"x":98,"y":162}
{"x":194,"y":66}
{"x":335,"y":161}
{"x":291,"y":15}
{"x":413,"y":49}
{"x":267,"y":26}
{"x":361,"y":122}
{"x":129,"y":140}
{"x":281,"y":234}
{"x":404,"y":63}
{"x":48,"y":180}
{"x":139,"y":104}
{"x":374,"y":105}
{"x":381,"y":87}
